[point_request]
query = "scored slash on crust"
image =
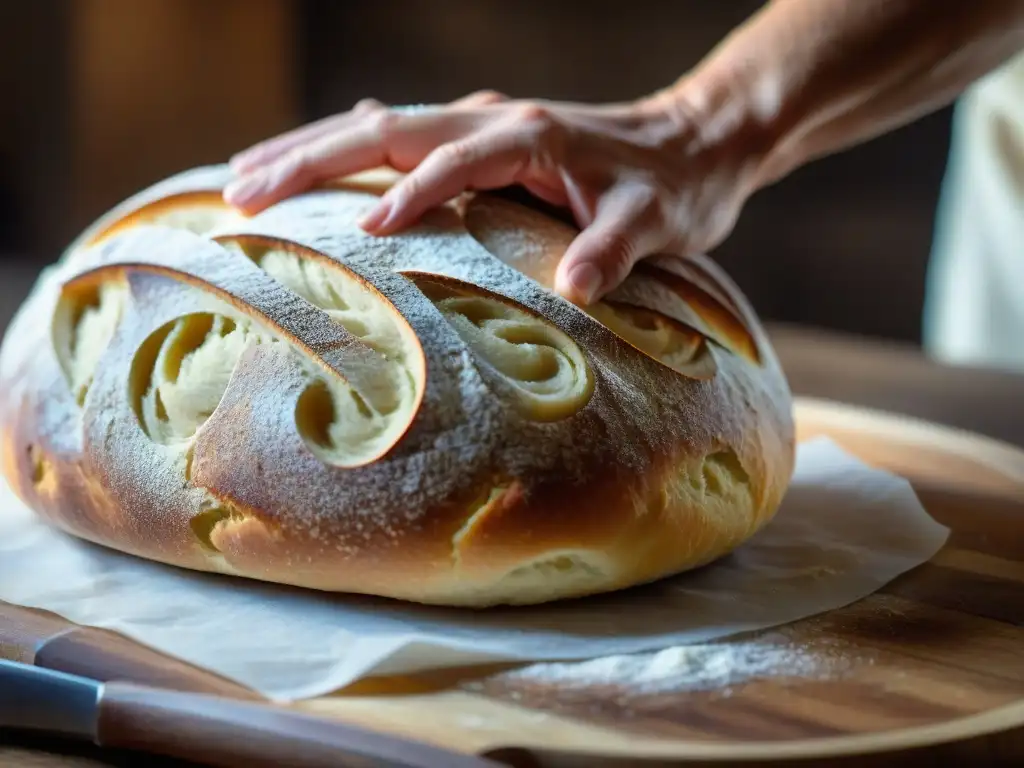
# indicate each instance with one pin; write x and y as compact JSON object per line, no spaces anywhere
{"x":679,"y":292}
{"x":695,"y":304}
{"x":545,"y":372}
{"x":599,"y":466}
{"x":199,"y":212}
{"x":249,"y":292}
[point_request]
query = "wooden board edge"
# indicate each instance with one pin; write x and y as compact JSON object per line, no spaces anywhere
{"x":982,"y":464}
{"x":578,"y":740}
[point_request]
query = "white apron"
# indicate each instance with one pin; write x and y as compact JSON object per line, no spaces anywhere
{"x":974,"y":309}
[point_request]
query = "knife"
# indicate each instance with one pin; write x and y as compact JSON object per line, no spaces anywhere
{"x":46,"y":640}
{"x":201,"y":728}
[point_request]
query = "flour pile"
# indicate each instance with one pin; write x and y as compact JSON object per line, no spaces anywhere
{"x":701,"y":667}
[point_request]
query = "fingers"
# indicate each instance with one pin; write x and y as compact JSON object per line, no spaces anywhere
{"x":335,"y":154}
{"x":376,"y":139}
{"x":266,"y":152}
{"x":368,"y":135}
{"x":490,"y":158}
{"x":513,"y":146}
{"x":628,"y":226}
{"x":272,"y":149}
{"x":480,"y":99}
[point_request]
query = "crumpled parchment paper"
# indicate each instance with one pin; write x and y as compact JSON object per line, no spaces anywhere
{"x":844,"y":531}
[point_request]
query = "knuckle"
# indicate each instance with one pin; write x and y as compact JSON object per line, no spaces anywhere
{"x":367,"y":105}
{"x":532,"y":113}
{"x":539,"y":125}
{"x":383,"y":121}
{"x":490,"y":97}
{"x":456,"y":153}
{"x":251,"y":156}
{"x":617,"y":251}
{"x":297,"y":164}
{"x":646,"y":205}
{"x":645,"y":193}
{"x":410,"y":187}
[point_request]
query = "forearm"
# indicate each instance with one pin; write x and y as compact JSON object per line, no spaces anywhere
{"x":806,"y":78}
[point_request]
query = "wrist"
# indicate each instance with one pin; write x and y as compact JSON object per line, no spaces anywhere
{"x":728,"y":115}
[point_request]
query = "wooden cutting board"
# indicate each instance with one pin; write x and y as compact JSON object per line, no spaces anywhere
{"x":933,"y":662}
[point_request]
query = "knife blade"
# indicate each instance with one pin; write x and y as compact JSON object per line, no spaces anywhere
{"x":36,"y":699}
{"x":202,"y":728}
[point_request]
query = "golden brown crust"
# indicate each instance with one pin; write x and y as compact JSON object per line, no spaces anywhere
{"x":286,"y":398}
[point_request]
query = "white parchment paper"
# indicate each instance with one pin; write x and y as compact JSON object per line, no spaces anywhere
{"x":844,"y":531}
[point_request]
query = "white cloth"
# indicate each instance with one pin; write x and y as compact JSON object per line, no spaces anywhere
{"x":974,"y":312}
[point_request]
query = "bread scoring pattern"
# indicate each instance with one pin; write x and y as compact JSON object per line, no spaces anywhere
{"x":286,"y":398}
{"x":544,"y":374}
{"x":87,"y":317}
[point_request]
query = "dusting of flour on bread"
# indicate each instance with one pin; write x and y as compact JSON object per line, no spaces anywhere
{"x":285,"y":397}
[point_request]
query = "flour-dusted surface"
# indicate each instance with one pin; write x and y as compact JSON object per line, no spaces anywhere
{"x":700,"y":667}
{"x":844,"y":531}
{"x":286,"y":398}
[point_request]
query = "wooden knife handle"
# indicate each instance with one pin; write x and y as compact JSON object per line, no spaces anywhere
{"x":46,"y":640}
{"x":108,"y":657}
{"x":224,"y":732}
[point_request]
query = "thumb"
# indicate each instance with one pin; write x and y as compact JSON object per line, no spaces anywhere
{"x":628,"y":226}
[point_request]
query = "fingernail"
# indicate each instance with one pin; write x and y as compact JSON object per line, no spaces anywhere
{"x":243,"y":190}
{"x":585,"y":280}
{"x":376,"y":217}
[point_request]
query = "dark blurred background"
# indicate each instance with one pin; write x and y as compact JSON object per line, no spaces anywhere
{"x":103,"y":97}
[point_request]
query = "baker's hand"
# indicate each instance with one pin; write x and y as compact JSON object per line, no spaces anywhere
{"x":640,"y":178}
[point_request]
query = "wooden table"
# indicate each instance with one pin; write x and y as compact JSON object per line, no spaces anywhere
{"x":898,"y":378}
{"x":820,"y":364}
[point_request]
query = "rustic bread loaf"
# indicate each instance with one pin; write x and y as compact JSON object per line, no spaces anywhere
{"x":286,"y":398}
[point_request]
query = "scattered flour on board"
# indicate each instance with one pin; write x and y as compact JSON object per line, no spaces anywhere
{"x":687,"y":668}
